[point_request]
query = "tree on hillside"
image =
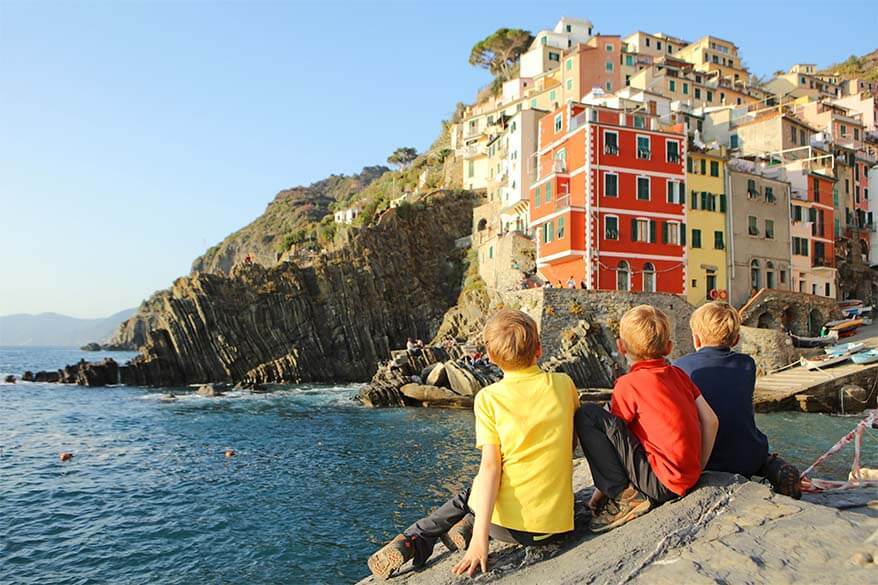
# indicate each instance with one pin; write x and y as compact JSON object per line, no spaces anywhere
{"x":403,"y":156}
{"x":499,"y":52}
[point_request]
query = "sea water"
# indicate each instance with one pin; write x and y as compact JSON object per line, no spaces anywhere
{"x":318,"y":482}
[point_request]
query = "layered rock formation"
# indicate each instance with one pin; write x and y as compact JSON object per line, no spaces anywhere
{"x":330,"y":320}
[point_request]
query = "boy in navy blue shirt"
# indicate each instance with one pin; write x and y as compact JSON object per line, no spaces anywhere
{"x":727,"y":380}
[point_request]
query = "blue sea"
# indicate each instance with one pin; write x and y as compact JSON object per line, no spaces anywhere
{"x":317,"y":483}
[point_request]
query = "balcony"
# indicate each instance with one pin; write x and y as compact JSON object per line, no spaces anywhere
{"x":799,"y":194}
{"x":643,"y":153}
{"x":474,"y":151}
{"x":577,"y":121}
{"x":822,"y":262}
{"x":673,"y":157}
{"x":562,"y":202}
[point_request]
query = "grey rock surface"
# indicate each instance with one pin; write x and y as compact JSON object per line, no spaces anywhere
{"x":727,"y":530}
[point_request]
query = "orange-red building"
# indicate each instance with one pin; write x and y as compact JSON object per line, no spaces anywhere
{"x":607,"y":201}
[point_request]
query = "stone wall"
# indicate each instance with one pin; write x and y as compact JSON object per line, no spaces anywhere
{"x":804,"y":314}
{"x":505,"y":259}
{"x":772,"y":349}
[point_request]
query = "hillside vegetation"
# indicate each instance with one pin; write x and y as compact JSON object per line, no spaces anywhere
{"x":865,"y":67}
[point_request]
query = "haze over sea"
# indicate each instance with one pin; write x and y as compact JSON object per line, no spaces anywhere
{"x":317,"y":483}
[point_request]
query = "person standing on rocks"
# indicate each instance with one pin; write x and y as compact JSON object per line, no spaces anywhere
{"x":571,"y":282}
{"x":523,"y":492}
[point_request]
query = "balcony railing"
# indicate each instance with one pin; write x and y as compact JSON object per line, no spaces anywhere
{"x":822,"y":261}
{"x":577,"y":121}
{"x":643,"y":153}
{"x":612,"y":149}
{"x":559,"y":166}
{"x":673,"y":157}
{"x":799,"y":194}
{"x":562,"y":202}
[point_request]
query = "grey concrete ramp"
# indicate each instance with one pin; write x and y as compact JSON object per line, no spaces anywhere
{"x":778,"y":391}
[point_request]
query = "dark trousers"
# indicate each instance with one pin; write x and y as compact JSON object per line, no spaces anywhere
{"x":426,"y":531}
{"x":615,"y":456}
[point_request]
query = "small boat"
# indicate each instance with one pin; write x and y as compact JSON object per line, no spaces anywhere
{"x":823,"y":361}
{"x":852,"y":347}
{"x":865,"y":357}
{"x":808,"y":342}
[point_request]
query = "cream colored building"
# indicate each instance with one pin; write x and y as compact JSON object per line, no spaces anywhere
{"x":544,"y":53}
{"x":655,"y":45}
{"x":802,"y":81}
{"x":715,"y":56}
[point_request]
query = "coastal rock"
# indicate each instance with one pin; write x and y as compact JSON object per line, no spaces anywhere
{"x":10,"y":379}
{"x":329,"y":321}
{"x":726,"y":530}
{"x":771,"y":349}
{"x":47,"y":377}
{"x":427,"y":395}
{"x":436,"y":375}
{"x":462,"y":381}
{"x":212,"y":390}
{"x":27,"y":376}
{"x":93,"y":374}
{"x":93,"y":346}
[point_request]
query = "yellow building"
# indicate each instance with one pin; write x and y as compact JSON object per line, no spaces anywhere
{"x":706,"y":219}
{"x":714,"y":55}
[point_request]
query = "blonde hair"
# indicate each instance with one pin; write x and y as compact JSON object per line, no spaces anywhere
{"x":716,"y":324}
{"x":512,"y":339}
{"x":646,"y":332}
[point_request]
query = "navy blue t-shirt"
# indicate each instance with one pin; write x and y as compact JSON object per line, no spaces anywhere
{"x":727,"y":380}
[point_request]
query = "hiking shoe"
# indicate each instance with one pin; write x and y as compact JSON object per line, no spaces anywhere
{"x":460,"y":534}
{"x":391,"y":557}
{"x":786,"y":481}
{"x":625,"y":507}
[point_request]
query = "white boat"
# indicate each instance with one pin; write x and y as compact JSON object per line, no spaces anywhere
{"x":852,"y":347}
{"x":865,"y":357}
{"x":824,"y":361}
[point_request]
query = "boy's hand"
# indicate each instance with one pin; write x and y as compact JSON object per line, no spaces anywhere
{"x":476,"y":556}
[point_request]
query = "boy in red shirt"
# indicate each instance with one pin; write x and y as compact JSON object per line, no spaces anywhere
{"x":653,"y":446}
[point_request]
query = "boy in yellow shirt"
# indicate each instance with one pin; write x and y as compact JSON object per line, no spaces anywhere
{"x":523,"y":492}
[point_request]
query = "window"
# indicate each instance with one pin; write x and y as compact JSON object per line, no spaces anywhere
{"x":569,"y":85}
{"x":490,"y":251}
{"x":548,"y":191}
{"x":685,"y":88}
{"x":671,"y":233}
{"x":611,"y":227}
{"x":672,"y":85}
{"x":801,"y":137}
{"x":648,"y":277}
{"x":471,"y":169}
{"x":718,"y":242}
{"x":675,"y":192}
{"x":800,"y":246}
{"x":769,"y":194}
{"x":609,"y":48}
{"x":638,"y":123}
{"x":733,"y":141}
{"x":611,"y":185}
{"x":703,"y":165}
{"x":643,"y":188}
{"x":696,"y":238}
{"x":796,"y":213}
{"x":709,"y":96}
{"x":608,"y":66}
{"x":769,"y":274}
{"x":629,"y":59}
{"x":552,"y":95}
{"x":548,"y":231}
{"x":769,"y":230}
{"x":754,"y":274}
{"x":560,"y":228}
{"x":647,"y":42}
{"x":843,"y":130}
{"x":698,"y":93}
{"x":672,"y":151}
{"x":751,"y":189}
{"x":556,"y":57}
{"x":752,"y":225}
{"x":643,"y":147}
{"x":658,"y":45}
{"x":611,"y":142}
{"x":609,"y":86}
{"x":558,"y":122}
{"x":642,"y":230}
{"x":793,"y":133}
{"x":537,"y":196}
{"x":714,"y":168}
{"x":689,"y":164}
{"x":622,"y":276}
{"x":569,"y":64}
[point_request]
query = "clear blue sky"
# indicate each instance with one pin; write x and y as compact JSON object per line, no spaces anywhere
{"x":134,"y":135}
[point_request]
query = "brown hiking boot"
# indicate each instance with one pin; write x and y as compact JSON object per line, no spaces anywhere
{"x":623,"y":508}
{"x":391,"y":557}
{"x":784,"y":478}
{"x":460,"y":534}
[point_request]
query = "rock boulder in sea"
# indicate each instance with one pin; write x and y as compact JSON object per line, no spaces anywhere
{"x":10,"y":379}
{"x":212,"y":390}
{"x":93,"y":346}
{"x":27,"y":376}
{"x":83,"y":373}
{"x":427,"y":395}
{"x":330,"y":320}
{"x":47,"y":377}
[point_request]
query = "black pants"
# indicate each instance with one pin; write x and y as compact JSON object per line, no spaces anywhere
{"x":615,"y":456}
{"x":426,"y":531}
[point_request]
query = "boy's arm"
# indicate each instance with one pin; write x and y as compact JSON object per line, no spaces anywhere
{"x":709,"y":426}
{"x":488,"y":482}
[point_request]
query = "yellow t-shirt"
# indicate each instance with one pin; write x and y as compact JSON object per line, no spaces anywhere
{"x":529,"y":414}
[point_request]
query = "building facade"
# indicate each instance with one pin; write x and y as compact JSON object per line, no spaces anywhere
{"x":706,"y":219}
{"x":608,"y":200}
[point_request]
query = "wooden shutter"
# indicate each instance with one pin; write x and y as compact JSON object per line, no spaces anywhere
{"x":722,"y":202}
{"x":633,"y":230}
{"x":682,"y":234}
{"x":652,"y":230}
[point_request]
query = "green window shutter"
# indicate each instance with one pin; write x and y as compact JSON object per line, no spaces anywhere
{"x":548,"y":192}
{"x":682,"y":195}
{"x":633,"y":230}
{"x":664,"y":232}
{"x":704,"y":200}
{"x":722,"y":202}
{"x":682,"y":234}
{"x":694,"y":199}
{"x":652,"y":230}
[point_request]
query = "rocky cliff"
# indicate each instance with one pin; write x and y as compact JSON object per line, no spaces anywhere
{"x":332,"y":319}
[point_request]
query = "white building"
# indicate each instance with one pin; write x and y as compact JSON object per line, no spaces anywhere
{"x":521,"y":144}
{"x":347,"y":215}
{"x":544,"y":54}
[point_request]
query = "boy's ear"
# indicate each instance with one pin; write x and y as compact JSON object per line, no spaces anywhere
{"x":669,"y":347}
{"x":539,"y":352}
{"x":620,"y":345}
{"x":736,"y":341}
{"x":696,"y":341}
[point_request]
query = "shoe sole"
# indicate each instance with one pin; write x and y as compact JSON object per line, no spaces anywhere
{"x":635,"y":512}
{"x":385,"y":562}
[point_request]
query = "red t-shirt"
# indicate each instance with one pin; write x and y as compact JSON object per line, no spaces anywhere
{"x":657,"y":401}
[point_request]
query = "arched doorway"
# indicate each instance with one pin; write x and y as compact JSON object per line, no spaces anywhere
{"x":483,"y":224}
{"x":765,"y":321}
{"x":648,"y":277}
{"x":769,"y":274}
{"x":623,"y":276}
